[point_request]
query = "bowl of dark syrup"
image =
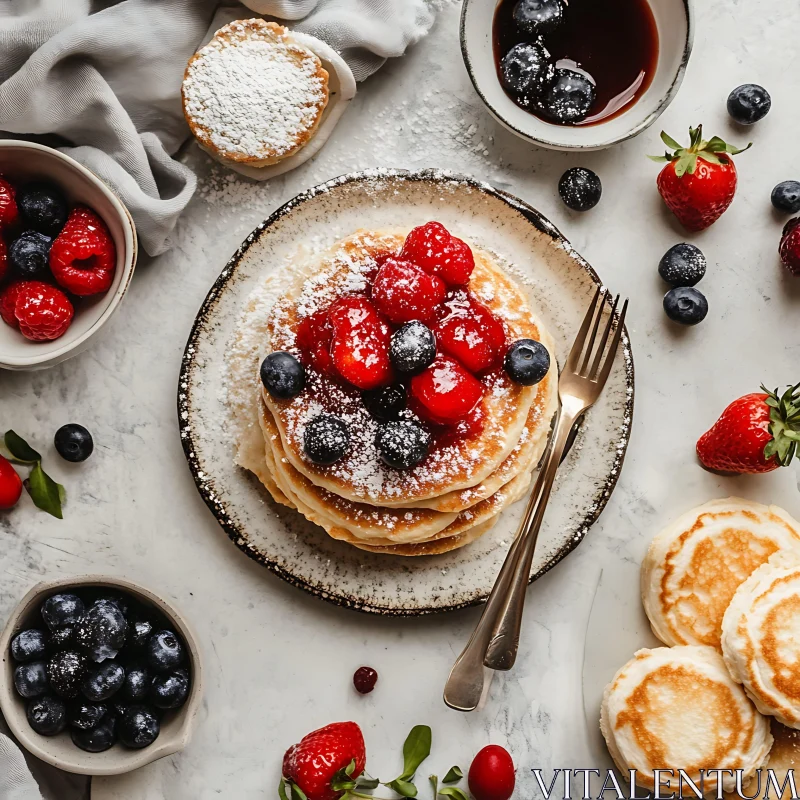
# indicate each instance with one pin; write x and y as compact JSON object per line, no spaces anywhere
{"x":576,"y":74}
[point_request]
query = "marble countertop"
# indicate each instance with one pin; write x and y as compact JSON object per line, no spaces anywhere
{"x":279,"y":663}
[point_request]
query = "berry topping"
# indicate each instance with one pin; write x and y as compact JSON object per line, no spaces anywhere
{"x":61,"y":610}
{"x":103,"y":681}
{"x":386,"y":404}
{"x":10,"y":484}
{"x":790,"y":246}
{"x":491,"y":774}
{"x":47,"y":715}
{"x":749,"y":103}
{"x":43,"y":207}
{"x":364,"y":679}
{"x":539,"y":17}
{"x":786,"y":197}
{"x":283,"y":375}
{"x":525,"y":70}
{"x":171,"y":690}
{"x":73,"y":442}
{"x":65,"y":672}
{"x":469,"y":332}
{"x":30,"y":645}
{"x":432,"y":248}
{"x":580,"y":189}
{"x":314,"y":336}
{"x":138,"y":727}
{"x":402,"y":445}
{"x":403,"y":292}
{"x":83,"y":257}
{"x":568,"y":97}
{"x":100,"y":738}
{"x":413,"y":348}
{"x":685,"y":305}
{"x":360,"y":345}
{"x":29,"y":255}
{"x":445,"y":392}
{"x":682,"y":265}
{"x":527,"y":362}
{"x":101,"y":631}
{"x":9,"y":212}
{"x":30,"y":680}
{"x":43,"y":312}
{"x":326,"y":439}
{"x":164,"y":651}
{"x":84,"y":716}
{"x":137,"y":683}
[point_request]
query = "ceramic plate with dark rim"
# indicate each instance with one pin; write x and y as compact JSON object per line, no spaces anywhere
{"x":561,"y":284}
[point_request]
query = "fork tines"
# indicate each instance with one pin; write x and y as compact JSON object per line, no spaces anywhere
{"x":596,"y":369}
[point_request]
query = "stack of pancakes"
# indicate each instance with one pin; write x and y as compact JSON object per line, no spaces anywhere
{"x":451,"y":498}
{"x":721,"y":586}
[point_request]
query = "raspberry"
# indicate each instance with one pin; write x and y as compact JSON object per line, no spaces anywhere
{"x":360,"y":345}
{"x":8,"y":300}
{"x":83,"y":256}
{"x":314,"y":336}
{"x":403,"y":292}
{"x":9,"y":213}
{"x":432,"y":248}
{"x":445,"y":393}
{"x":469,"y":332}
{"x":790,"y":246}
{"x":43,"y":311}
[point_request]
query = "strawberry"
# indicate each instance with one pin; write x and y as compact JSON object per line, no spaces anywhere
{"x":790,"y":246}
{"x":320,"y":760}
{"x":403,"y":292}
{"x":434,"y":249}
{"x":699,"y":181}
{"x":445,"y":392}
{"x":10,"y":485}
{"x":756,"y":433}
{"x":360,"y":343}
{"x":314,"y":336}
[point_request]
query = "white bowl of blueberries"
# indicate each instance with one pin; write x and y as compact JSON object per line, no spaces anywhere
{"x":100,"y":675}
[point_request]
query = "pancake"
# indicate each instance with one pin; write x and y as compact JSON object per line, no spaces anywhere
{"x":761,"y":637}
{"x":678,"y":708}
{"x":694,"y":566}
{"x":783,"y":757}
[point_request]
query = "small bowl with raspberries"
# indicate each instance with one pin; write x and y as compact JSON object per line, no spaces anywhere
{"x":67,"y":254}
{"x":100,"y":675}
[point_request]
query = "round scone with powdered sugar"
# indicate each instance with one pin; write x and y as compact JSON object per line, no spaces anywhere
{"x":253,"y":95}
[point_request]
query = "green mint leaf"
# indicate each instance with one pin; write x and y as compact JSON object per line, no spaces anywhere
{"x":416,"y":748}
{"x":44,"y":491}
{"x":454,"y":791}
{"x":402,"y":787}
{"x":20,"y":450}
{"x":365,"y":782}
{"x":282,"y":790}
{"x":669,"y":141}
{"x":454,"y":775}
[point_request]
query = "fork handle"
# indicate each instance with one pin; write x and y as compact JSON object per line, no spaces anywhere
{"x":501,"y":652}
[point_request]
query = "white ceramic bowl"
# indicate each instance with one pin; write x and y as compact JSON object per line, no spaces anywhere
{"x":176,"y":727}
{"x":23,"y":161}
{"x":675,"y":23}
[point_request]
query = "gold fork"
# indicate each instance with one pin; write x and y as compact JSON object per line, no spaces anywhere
{"x":495,"y":641}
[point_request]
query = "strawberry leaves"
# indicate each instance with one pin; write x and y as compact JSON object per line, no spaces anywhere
{"x":46,"y":494}
{"x":784,"y":424}
{"x":416,"y":748}
{"x":685,"y":158}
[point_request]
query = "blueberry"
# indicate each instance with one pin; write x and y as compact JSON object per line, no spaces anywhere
{"x":685,"y":305}
{"x":47,"y":715}
{"x":29,"y":646}
{"x":98,"y":739}
{"x":29,"y":255}
{"x":138,"y":634}
{"x":138,"y":727}
{"x":170,"y":690}
{"x":30,"y":680}
{"x":527,"y":362}
{"x":402,"y":445}
{"x":61,"y":639}
{"x":539,"y":17}
{"x":682,"y":265}
{"x":164,"y":651}
{"x":118,"y":600}
{"x":786,"y":197}
{"x":580,"y":189}
{"x":326,"y":439}
{"x":413,"y":348}
{"x":283,"y":375}
{"x":85,"y":716}
{"x":65,"y":672}
{"x":61,"y":610}
{"x":525,"y":70}
{"x":103,"y":682}
{"x":73,"y":442}
{"x":137,"y":683}
{"x":749,"y":103}
{"x":43,"y":207}
{"x":386,"y":403}
{"x":101,"y":631}
{"x":569,"y":97}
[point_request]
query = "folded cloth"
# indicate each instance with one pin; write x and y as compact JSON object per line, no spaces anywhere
{"x":16,"y":781}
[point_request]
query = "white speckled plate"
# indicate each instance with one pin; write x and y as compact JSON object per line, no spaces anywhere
{"x":561,"y":283}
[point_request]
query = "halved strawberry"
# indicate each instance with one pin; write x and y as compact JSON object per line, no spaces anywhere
{"x":403,"y":292}
{"x":434,"y":249}
{"x":360,"y":344}
{"x":314,"y":336}
{"x":445,"y":392}
{"x":469,"y":332}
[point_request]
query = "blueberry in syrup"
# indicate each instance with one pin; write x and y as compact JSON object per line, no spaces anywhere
{"x":749,"y":103}
{"x":682,"y":265}
{"x":138,"y":727}
{"x":402,"y":445}
{"x":786,"y":197}
{"x":170,"y":690}
{"x":30,"y":680}
{"x":103,"y":682}
{"x":568,"y":98}
{"x":98,"y":739}
{"x":283,"y":375}
{"x":65,"y":672}
{"x":138,"y":680}
{"x":101,"y":631}
{"x":527,"y":362}
{"x":29,"y":255}
{"x":84,"y":715}
{"x":525,"y":70}
{"x":73,"y":442}
{"x":412,"y":348}
{"x":43,"y":207}
{"x":539,"y":17}
{"x":386,"y":403}
{"x":685,"y":305}
{"x":326,"y":439}
{"x":164,"y":651}
{"x":580,"y":189}
{"x":364,"y":679}
{"x":30,"y":645}
{"x":47,"y":715}
{"x":61,"y":610}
